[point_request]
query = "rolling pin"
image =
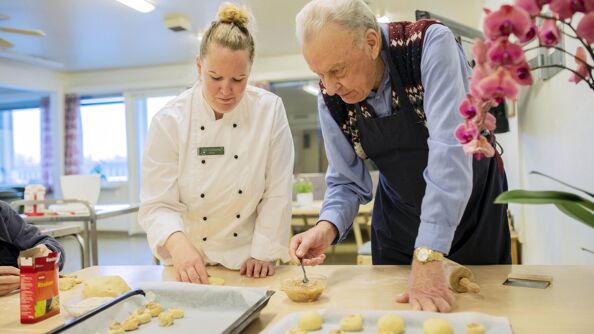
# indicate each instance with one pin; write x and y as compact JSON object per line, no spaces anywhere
{"x":461,"y":279}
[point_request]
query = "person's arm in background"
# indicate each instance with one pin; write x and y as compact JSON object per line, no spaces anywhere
{"x":348,"y":185}
{"x":273,"y":221}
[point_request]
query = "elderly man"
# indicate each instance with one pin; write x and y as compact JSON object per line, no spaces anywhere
{"x":390,"y":94}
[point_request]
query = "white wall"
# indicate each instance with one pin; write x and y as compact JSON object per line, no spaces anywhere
{"x":552,"y":134}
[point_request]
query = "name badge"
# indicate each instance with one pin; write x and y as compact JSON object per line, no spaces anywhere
{"x":219,"y":150}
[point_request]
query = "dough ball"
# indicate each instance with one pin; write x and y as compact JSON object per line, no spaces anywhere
{"x":143,"y":315}
{"x":390,"y":323}
{"x":154,"y":308}
{"x":165,"y":319}
{"x":104,"y":286}
{"x":216,"y":281}
{"x":66,"y":283}
{"x":131,"y":323}
{"x":336,"y":331}
{"x":475,"y":328}
{"x":115,"y":328}
{"x":296,"y":331}
{"x":177,"y":312}
{"x":437,"y":326}
{"x":310,"y":321}
{"x":352,"y":323}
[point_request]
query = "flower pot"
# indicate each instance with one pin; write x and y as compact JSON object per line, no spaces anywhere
{"x":305,"y":199}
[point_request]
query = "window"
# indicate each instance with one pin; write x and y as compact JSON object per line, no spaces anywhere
{"x":104,"y":147}
{"x":153,"y":105}
{"x":20,"y":146}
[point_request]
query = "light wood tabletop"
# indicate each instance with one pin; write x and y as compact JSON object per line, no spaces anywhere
{"x":564,"y":307}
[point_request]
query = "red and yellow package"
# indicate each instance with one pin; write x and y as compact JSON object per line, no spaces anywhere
{"x":40,"y":298}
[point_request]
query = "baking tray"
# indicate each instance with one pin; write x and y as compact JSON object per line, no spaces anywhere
{"x":217,"y":309}
{"x":413,"y":321}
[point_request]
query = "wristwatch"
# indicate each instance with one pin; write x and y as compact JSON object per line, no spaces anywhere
{"x":424,"y":255}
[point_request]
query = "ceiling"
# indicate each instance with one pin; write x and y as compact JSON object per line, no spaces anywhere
{"x":104,"y":34}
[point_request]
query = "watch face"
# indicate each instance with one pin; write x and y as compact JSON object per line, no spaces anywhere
{"x":423,"y":255}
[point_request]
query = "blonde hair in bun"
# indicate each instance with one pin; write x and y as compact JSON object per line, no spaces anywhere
{"x":230,"y":30}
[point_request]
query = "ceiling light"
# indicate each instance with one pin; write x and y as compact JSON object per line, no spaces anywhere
{"x":311,"y":89}
{"x":142,"y":6}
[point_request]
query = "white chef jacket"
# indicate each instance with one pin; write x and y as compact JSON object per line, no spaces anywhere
{"x":231,"y":206}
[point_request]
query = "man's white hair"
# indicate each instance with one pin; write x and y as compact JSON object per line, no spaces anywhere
{"x":354,"y":15}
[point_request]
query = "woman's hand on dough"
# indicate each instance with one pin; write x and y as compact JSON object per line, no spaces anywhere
{"x":256,"y":268}
{"x":188,"y":263}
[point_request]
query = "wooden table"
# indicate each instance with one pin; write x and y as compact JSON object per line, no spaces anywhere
{"x":565,"y":307}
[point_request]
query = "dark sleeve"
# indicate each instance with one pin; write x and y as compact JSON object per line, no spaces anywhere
{"x":23,"y":235}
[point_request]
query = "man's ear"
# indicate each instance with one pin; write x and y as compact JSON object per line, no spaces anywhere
{"x":373,"y":42}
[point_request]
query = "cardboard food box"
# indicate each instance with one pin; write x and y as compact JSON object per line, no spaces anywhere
{"x":40,"y":297}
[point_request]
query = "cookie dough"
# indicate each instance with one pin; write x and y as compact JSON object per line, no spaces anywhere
{"x":115,"y":328}
{"x":336,"y":331}
{"x":296,"y":331}
{"x":66,"y":283}
{"x":104,"y":286}
{"x":390,"y":323}
{"x":131,"y":323}
{"x":143,"y":315}
{"x":475,"y":328}
{"x":352,"y":323}
{"x":310,"y":321}
{"x":154,"y":308}
{"x":177,"y":312}
{"x":216,"y":281}
{"x":165,"y":319}
{"x":437,"y":326}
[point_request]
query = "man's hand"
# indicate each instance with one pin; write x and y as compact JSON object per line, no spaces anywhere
{"x":188,"y":263}
{"x":256,"y":268}
{"x":10,"y":279}
{"x":311,"y":244}
{"x":428,"y":288}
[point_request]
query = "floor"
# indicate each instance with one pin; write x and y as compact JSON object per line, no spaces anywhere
{"x":118,"y":248}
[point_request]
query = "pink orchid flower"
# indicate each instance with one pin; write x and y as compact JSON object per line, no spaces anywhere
{"x":466,"y":132}
{"x":470,"y":107}
{"x":533,"y":7}
{"x":582,"y":65}
{"x":530,"y":34}
{"x":548,"y":34}
{"x":507,"y":20}
{"x":479,"y":72}
{"x":585,"y":28}
{"x":490,"y":121}
{"x":566,"y":8}
{"x":521,"y":73}
{"x":498,"y":86}
{"x":589,"y":4}
{"x":479,"y":51}
{"x":505,"y":53}
{"x":480,"y":148}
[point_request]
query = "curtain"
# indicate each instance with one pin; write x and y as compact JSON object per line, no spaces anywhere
{"x":72,"y":135}
{"x":46,"y":144}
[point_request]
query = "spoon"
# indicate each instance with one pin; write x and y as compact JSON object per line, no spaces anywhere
{"x":305,"y":279}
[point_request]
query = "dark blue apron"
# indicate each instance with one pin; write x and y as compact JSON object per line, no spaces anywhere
{"x":397,"y":144}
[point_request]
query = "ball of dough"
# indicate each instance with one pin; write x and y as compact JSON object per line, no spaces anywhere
{"x":296,"y":331}
{"x":437,"y":326}
{"x":165,"y":319}
{"x":143,"y":315}
{"x":336,"y":331}
{"x":475,"y":328}
{"x":390,"y":323}
{"x":177,"y":312}
{"x":104,"y":286}
{"x":154,"y":308}
{"x":310,"y":321}
{"x":115,"y":328}
{"x":131,"y":323}
{"x":216,"y":281}
{"x":66,"y":283}
{"x":352,"y":323}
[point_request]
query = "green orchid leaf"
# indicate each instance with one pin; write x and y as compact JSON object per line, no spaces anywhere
{"x":542,"y":197}
{"x":577,"y":212}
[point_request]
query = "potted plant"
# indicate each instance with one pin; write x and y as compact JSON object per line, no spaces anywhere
{"x":304,"y":190}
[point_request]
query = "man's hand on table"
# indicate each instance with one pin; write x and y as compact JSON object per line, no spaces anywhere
{"x":428,"y":288}
{"x":257,"y":268}
{"x":188,"y":263}
{"x":310,"y":245}
{"x":10,"y":279}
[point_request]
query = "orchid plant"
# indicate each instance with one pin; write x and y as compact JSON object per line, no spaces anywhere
{"x":501,"y":67}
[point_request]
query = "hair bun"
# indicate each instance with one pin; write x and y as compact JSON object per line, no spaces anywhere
{"x":231,"y":13}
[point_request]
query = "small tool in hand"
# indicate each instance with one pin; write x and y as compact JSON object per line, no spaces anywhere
{"x":305,"y":279}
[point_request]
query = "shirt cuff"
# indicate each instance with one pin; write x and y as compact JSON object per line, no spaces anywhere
{"x":437,"y":237}
{"x":266,"y":249}
{"x":165,"y":225}
{"x":334,"y":218}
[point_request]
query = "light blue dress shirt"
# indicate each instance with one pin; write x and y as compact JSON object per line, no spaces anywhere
{"x":444,"y":73}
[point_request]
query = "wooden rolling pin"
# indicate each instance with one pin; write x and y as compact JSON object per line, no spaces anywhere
{"x":461,"y":279}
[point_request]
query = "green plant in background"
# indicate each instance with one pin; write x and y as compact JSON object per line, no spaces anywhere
{"x":572,"y":205}
{"x":302,"y":186}
{"x":98,"y":169}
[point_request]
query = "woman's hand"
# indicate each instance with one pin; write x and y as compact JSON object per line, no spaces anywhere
{"x":10,"y":279}
{"x":188,"y":263}
{"x":256,"y":268}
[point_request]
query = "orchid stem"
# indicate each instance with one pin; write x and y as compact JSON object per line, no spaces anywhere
{"x":591,"y":84}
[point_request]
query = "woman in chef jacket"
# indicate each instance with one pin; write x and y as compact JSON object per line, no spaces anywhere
{"x":217,"y":165}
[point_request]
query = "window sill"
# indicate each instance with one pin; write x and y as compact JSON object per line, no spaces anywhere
{"x":106,"y":185}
